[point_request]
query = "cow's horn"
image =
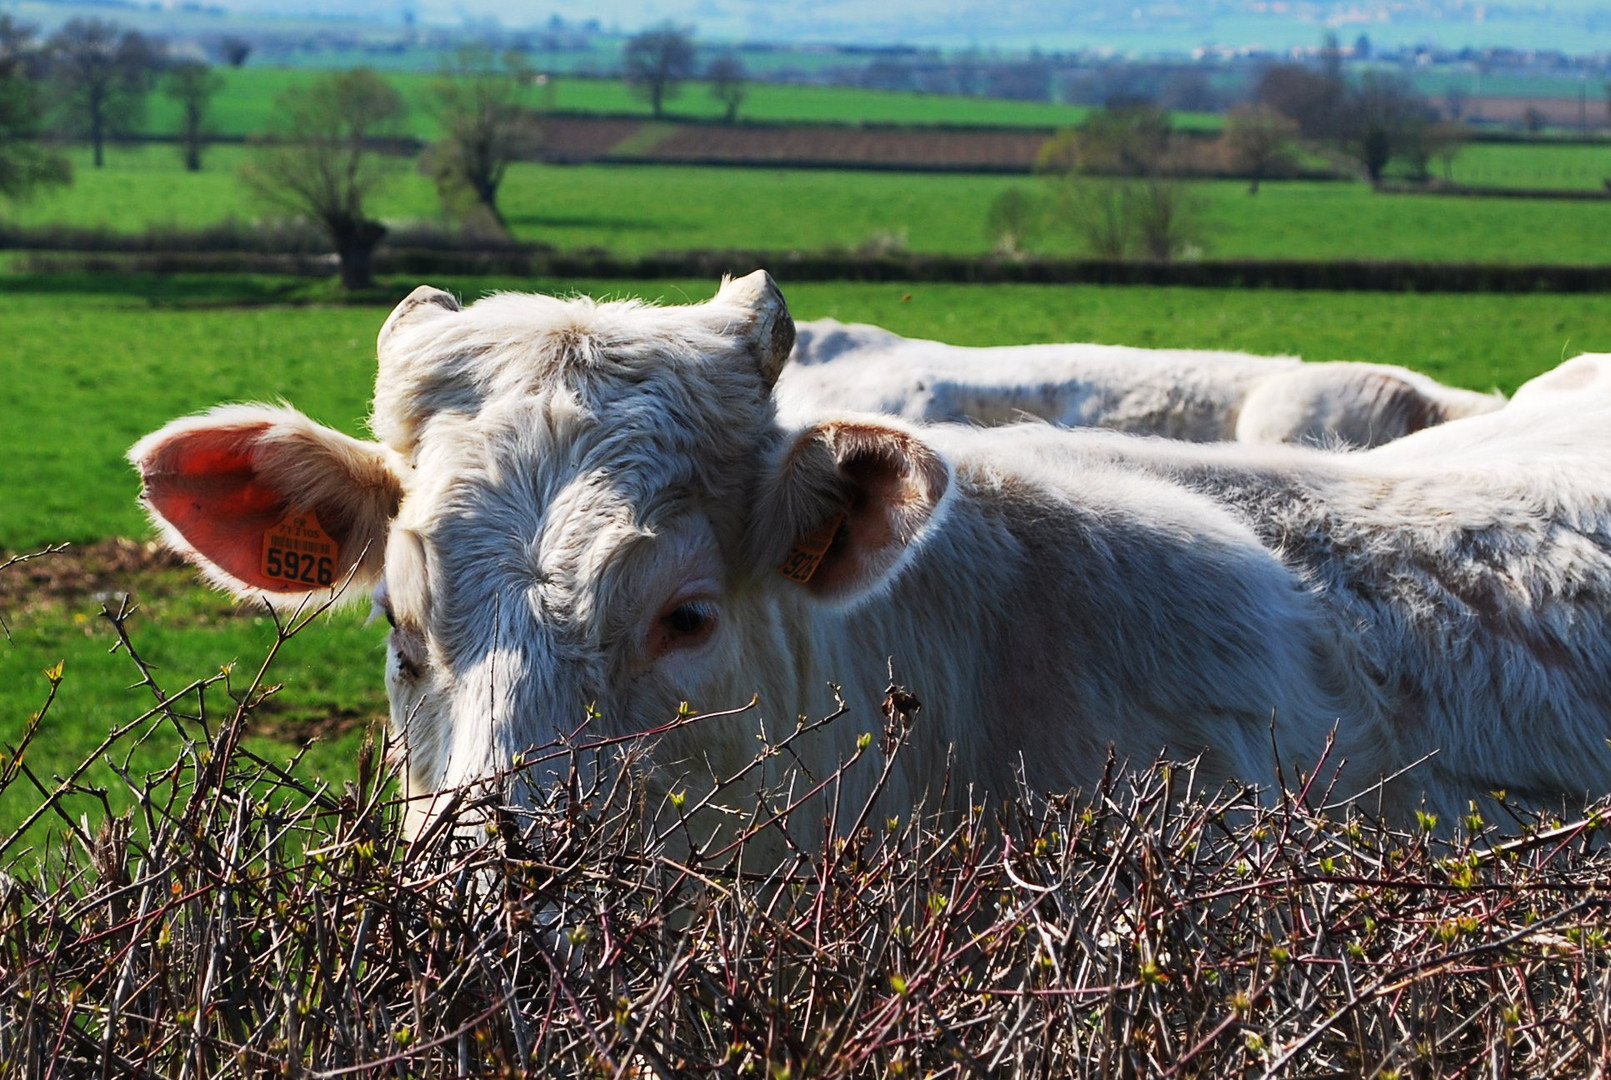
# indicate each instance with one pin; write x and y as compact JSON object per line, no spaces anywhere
{"x":770,"y":327}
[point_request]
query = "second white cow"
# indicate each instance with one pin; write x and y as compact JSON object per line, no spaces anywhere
{"x":574,"y":504}
{"x":1195,"y":394}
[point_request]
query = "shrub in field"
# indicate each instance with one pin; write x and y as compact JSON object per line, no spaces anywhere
{"x":1114,"y":182}
{"x":1011,"y":220}
{"x":243,"y":921}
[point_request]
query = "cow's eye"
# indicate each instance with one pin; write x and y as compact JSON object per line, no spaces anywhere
{"x":381,"y":605}
{"x":683,"y":625}
{"x":384,"y":611}
{"x":687,"y":619}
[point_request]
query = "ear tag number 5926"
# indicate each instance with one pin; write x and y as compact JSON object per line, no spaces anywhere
{"x":299,"y":552}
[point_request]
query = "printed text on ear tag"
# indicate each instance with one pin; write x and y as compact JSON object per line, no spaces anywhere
{"x":808,"y":551}
{"x":299,"y":552}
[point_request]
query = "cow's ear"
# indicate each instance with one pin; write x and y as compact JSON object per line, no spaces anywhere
{"x":846,"y":504}
{"x":268,"y":503}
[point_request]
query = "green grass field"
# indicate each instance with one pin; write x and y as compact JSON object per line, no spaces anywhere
{"x":244,"y":104}
{"x":635,"y":210}
{"x":1536,"y":165}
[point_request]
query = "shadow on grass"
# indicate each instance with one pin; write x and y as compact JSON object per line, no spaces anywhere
{"x":621,"y":222}
{"x":204,"y":290}
{"x":200,"y":291}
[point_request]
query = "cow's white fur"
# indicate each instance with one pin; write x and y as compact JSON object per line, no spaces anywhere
{"x":1200,"y":395}
{"x":571,"y":472}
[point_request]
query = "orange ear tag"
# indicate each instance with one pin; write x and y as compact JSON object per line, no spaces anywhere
{"x":299,"y":553}
{"x":808,"y":551}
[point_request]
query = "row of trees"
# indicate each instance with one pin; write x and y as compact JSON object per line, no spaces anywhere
{"x":1117,"y":180}
{"x":323,"y":158}
{"x":658,"y":61}
{"x":1373,"y":121}
{"x":323,"y":155}
{"x":96,"y":77}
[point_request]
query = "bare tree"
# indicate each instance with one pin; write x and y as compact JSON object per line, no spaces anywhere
{"x":1168,"y":215}
{"x":1098,"y":210}
{"x":1423,"y":143}
{"x":234,"y":50}
{"x":1455,"y":100}
{"x":25,"y":165}
{"x":1313,"y":99}
{"x":1190,"y":90}
{"x":657,"y":61}
{"x":728,"y":84}
{"x":21,"y":55}
{"x":1385,"y":119}
{"x":1260,"y":143}
{"x":483,"y":125}
{"x":192,"y":84}
{"x":101,"y":74}
{"x":320,"y":160}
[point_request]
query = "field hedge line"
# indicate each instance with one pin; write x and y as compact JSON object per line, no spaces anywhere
{"x":1494,"y":191}
{"x":426,"y":255}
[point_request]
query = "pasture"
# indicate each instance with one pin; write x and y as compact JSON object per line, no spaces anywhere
{"x":1534,"y":165}
{"x":246,"y":100}
{"x":641,"y":210}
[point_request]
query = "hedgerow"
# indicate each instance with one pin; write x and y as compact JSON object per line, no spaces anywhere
{"x":244,"y":920}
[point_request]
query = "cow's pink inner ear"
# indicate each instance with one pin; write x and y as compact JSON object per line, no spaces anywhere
{"x":891,"y":483}
{"x":203,"y":485}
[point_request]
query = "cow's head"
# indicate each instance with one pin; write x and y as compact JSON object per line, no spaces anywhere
{"x":571,"y":504}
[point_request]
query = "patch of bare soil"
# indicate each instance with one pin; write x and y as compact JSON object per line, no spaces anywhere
{"x":1557,"y":111}
{"x":907,"y":148}
{"x":302,"y":728}
{"x":75,"y":571}
{"x":575,"y":139}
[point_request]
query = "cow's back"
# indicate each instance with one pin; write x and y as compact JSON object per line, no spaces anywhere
{"x":1177,"y":393}
{"x":1447,"y":599}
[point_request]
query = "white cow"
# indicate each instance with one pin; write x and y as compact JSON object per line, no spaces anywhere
{"x":575,"y":503}
{"x":1200,"y":395}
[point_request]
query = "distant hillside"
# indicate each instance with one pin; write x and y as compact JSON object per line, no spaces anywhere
{"x":1142,"y":26}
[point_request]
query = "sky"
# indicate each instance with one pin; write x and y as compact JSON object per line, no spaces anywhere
{"x":1124,"y":26}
